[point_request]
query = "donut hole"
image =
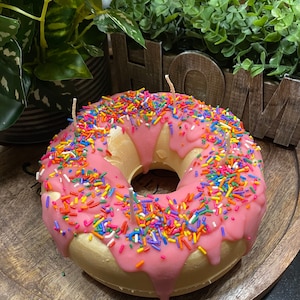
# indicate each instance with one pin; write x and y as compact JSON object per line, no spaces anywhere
{"x":156,"y":181}
{"x":167,"y":167}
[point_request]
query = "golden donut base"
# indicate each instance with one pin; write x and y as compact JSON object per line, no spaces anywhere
{"x":95,"y":258}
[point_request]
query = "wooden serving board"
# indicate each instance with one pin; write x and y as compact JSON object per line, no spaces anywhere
{"x":31,"y":267}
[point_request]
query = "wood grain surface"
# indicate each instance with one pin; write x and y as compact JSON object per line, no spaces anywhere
{"x":31,"y":267}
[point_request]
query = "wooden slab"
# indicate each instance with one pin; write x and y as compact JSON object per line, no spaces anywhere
{"x":31,"y":267}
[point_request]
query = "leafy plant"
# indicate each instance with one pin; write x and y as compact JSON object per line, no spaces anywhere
{"x":49,"y":41}
{"x":258,"y":36}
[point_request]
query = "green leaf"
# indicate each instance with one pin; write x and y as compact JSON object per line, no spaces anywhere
{"x":258,"y":47}
{"x":260,"y":22}
{"x":62,"y":63}
{"x":13,"y":85}
{"x":280,"y":70}
{"x":171,"y":18}
{"x":93,"y":50}
{"x":161,"y":9}
{"x":263,"y":57}
{"x":105,"y":24}
{"x":59,"y":24}
{"x":272,"y":37}
{"x":127,"y":25}
{"x":276,"y":12}
{"x":26,"y":31}
{"x":276,"y":59}
{"x":288,"y":47}
{"x":294,"y":34}
{"x":222,"y":37}
{"x":256,"y":70}
{"x":8,"y":29}
{"x":239,"y":39}
{"x":247,"y":64}
{"x":228,"y":51}
{"x":10,"y":111}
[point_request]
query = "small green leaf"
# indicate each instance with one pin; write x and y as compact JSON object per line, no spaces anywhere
{"x":171,"y":18}
{"x":263,"y":57}
{"x":258,"y":47}
{"x":228,"y":51}
{"x":239,"y":39}
{"x":275,"y":59}
{"x":272,"y":37}
{"x":222,"y":37}
{"x":260,"y":22}
{"x":161,"y":9}
{"x":247,"y":64}
{"x":280,"y":70}
{"x":287,"y":47}
{"x":256,"y":70}
{"x":276,"y":12}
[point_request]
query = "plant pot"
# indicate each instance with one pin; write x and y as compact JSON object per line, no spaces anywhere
{"x":39,"y":125}
{"x":267,"y":108}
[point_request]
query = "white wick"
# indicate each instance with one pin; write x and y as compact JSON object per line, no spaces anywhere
{"x":74,"y":111}
{"x":171,"y":85}
{"x":131,"y":199}
{"x":227,"y":140}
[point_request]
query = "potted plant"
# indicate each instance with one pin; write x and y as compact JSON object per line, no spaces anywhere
{"x":252,"y":42}
{"x":45,"y":45}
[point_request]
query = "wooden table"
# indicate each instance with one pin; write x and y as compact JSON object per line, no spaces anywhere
{"x":31,"y":267}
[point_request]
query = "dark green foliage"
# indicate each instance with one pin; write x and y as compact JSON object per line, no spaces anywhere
{"x":50,"y":41}
{"x":258,"y":36}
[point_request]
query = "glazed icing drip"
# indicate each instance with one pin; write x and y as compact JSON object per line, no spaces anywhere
{"x":219,"y":197}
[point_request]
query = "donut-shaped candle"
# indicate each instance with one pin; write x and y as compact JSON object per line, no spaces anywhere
{"x":155,"y":245}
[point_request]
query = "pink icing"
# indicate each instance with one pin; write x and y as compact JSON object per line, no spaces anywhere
{"x":207,"y":203}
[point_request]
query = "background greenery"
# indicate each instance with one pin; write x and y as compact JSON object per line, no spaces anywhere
{"x":258,"y":36}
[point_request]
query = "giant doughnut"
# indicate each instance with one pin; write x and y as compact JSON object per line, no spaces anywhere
{"x":156,"y":245}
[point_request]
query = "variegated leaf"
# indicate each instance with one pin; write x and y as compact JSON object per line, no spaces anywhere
{"x":127,"y":25}
{"x":8,"y":29}
{"x":11,"y":72}
{"x":59,"y":24}
{"x":12,"y":85}
{"x":27,"y":28}
{"x":114,"y":20}
{"x":52,"y":95}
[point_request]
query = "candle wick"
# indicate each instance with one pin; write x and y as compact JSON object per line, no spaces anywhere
{"x":227,"y":141}
{"x":171,"y":85}
{"x":131,"y":199}
{"x":74,"y":112}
